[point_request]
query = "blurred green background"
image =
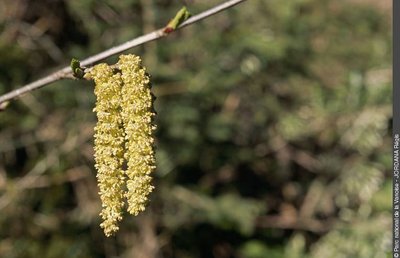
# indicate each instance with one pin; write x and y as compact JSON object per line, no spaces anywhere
{"x":273,"y":140}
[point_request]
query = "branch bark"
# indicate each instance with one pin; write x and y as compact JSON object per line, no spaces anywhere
{"x":66,"y":72}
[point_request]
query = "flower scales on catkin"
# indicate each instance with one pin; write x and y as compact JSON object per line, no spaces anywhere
{"x":108,"y":145}
{"x":124,"y":131}
{"x":137,"y":115}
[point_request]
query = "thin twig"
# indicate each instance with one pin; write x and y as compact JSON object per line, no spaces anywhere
{"x":66,"y":72}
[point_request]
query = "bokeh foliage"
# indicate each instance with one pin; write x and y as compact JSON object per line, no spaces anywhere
{"x":273,"y":132}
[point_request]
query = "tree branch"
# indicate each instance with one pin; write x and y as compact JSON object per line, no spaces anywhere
{"x":66,"y":72}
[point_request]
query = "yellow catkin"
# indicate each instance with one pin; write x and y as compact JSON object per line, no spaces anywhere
{"x":137,"y":114}
{"x":109,"y":145}
{"x":124,"y":132}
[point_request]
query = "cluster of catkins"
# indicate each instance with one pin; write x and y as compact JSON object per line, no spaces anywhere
{"x":123,"y":134}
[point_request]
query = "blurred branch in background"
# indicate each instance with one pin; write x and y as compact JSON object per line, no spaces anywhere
{"x":66,"y":72}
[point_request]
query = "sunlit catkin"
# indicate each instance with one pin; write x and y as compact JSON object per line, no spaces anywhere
{"x":137,"y":114}
{"x":109,"y":145}
{"x":124,"y":132}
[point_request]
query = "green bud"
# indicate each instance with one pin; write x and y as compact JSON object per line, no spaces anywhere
{"x":182,"y":15}
{"x":77,"y":70}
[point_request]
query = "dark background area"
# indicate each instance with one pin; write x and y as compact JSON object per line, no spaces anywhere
{"x":273,"y":136}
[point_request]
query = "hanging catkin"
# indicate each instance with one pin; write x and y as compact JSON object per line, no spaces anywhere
{"x":137,"y":114}
{"x":124,"y":132}
{"x":108,"y":145}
